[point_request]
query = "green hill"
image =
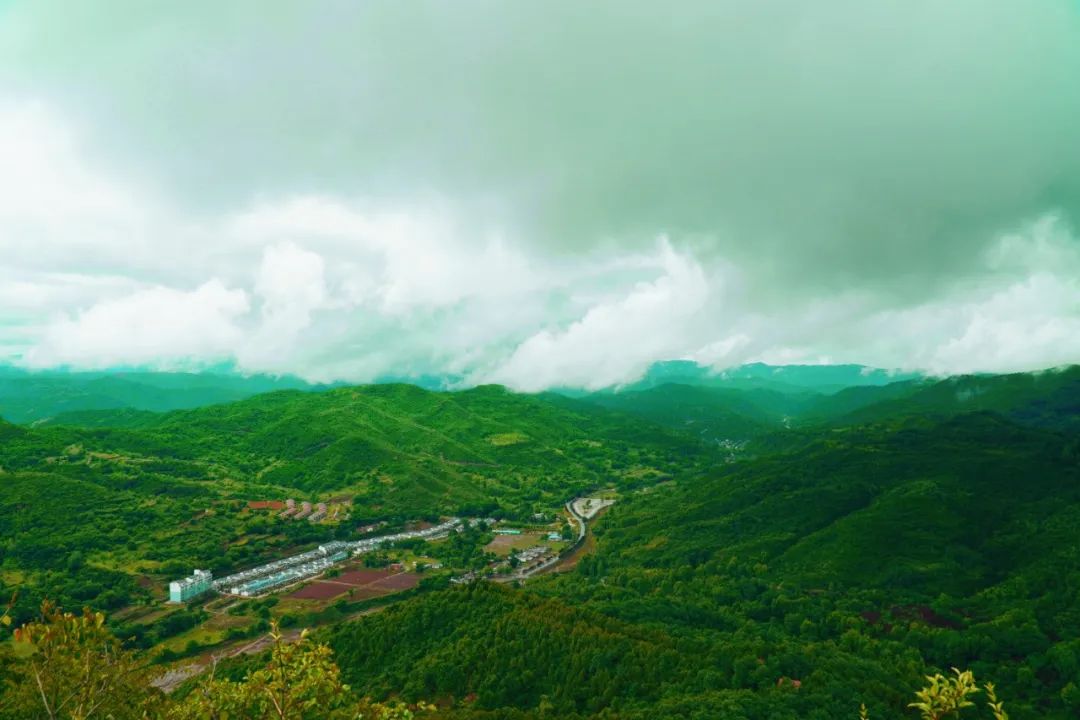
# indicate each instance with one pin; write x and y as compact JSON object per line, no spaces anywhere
{"x":712,"y":414}
{"x":408,"y":448}
{"x":853,"y":565}
{"x":780,"y":378}
{"x":1045,"y":399}
{"x":167,"y":495}
{"x":1048,"y":399}
{"x":34,"y":396}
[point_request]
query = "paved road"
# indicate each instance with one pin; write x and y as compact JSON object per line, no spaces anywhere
{"x":580,"y":520}
{"x":582,"y":530}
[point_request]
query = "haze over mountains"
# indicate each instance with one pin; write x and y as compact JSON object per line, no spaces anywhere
{"x":34,"y":395}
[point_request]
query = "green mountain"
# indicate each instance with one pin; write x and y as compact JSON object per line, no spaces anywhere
{"x":33,"y":396}
{"x":712,"y":414}
{"x":716,"y":414}
{"x":859,"y":539}
{"x":853,"y":565}
{"x":165,"y":494}
{"x":781,"y":378}
{"x":1045,"y":399}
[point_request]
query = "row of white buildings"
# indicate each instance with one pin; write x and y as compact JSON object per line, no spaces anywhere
{"x":294,"y":568}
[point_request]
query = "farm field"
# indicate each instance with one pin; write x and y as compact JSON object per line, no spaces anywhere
{"x":504,"y":545}
{"x":360,"y":584}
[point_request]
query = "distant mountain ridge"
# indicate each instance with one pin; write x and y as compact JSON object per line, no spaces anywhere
{"x":1048,"y":399}
{"x":77,"y":397}
{"x":28,"y":396}
{"x":784,"y":378}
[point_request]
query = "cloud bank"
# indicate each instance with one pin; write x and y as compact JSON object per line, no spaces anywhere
{"x":539,"y":196}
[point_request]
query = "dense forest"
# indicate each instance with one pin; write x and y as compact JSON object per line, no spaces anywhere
{"x":850,"y":565}
{"x":840,"y":548}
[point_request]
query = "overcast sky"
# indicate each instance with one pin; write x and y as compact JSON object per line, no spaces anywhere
{"x":539,"y":194}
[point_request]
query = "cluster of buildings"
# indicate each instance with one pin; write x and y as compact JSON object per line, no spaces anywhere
{"x":295,"y":568}
{"x":465,"y":579}
{"x":313,"y":563}
{"x":527,"y":556}
{"x":190,"y":587}
{"x":295,"y":511}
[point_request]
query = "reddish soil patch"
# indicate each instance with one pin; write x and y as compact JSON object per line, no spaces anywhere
{"x":362,"y":577}
{"x":363,"y":593}
{"x":502,"y":542}
{"x":319,"y":591}
{"x":266,"y":505}
{"x":401,"y":581}
{"x":923,"y":613}
{"x":570,"y":561}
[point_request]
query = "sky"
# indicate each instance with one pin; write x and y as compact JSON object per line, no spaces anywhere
{"x":539,"y":194}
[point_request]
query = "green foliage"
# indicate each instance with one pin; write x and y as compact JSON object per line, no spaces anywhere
{"x":77,"y":670}
{"x":945,"y":696}
{"x":820,"y":567}
{"x":850,"y":564}
{"x":299,"y":682}
{"x":90,"y":514}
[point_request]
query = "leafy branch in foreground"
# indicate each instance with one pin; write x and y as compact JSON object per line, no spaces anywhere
{"x":76,"y":669}
{"x":946,"y":697}
{"x":300,"y":681}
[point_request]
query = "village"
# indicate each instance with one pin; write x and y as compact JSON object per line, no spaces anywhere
{"x":515,"y":553}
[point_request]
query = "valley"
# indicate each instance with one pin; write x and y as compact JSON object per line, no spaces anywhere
{"x":416,"y":532}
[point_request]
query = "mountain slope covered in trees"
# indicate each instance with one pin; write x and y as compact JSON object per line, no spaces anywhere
{"x":884,"y":532}
{"x":851,"y":565}
{"x":166,"y":494}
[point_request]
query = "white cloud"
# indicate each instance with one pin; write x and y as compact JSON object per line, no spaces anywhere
{"x":153,"y":326}
{"x":290,"y":287}
{"x":615,"y":340}
{"x":97,"y":270}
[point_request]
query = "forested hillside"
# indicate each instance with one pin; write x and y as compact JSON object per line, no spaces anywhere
{"x":852,"y":566}
{"x":715,"y":410}
{"x":832,"y":558}
{"x":123,"y":504}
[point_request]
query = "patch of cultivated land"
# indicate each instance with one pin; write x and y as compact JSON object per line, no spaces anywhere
{"x":362,"y":577}
{"x":503,"y":545}
{"x":360,"y":584}
{"x":401,"y":581}
{"x":319,"y":591}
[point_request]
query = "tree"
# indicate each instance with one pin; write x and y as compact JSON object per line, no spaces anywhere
{"x":946,"y":697}
{"x":77,"y":671}
{"x":300,"y":682}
